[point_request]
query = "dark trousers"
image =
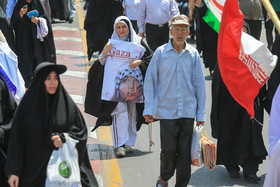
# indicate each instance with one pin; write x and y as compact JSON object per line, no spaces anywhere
{"x":269,"y":26}
{"x":176,"y":137}
{"x":156,"y":35}
{"x":255,"y":28}
{"x":134,"y":25}
{"x":250,"y":165}
{"x":197,"y":31}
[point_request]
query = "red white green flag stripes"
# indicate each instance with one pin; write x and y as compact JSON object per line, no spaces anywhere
{"x":214,"y":14}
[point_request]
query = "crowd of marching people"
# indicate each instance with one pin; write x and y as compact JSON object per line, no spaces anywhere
{"x":141,"y":75}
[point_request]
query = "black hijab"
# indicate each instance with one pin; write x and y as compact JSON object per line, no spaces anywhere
{"x":37,"y":117}
{"x":7,"y":29}
{"x":30,"y":50}
{"x":7,"y":109}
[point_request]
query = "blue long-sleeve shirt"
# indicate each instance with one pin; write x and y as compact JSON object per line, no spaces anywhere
{"x":10,"y":7}
{"x":174,"y":84}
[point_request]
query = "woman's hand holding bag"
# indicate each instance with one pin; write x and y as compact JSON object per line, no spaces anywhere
{"x":63,"y":167}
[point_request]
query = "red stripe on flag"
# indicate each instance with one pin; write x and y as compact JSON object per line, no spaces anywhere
{"x":217,"y":4}
{"x":235,"y":74}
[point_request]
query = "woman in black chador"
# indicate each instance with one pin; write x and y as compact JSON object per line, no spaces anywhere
{"x":59,"y":9}
{"x":31,"y":51}
{"x":7,"y":109}
{"x":99,"y":22}
{"x":44,"y":114}
{"x":7,"y":30}
{"x":239,"y":138}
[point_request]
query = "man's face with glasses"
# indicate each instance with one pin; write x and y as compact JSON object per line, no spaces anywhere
{"x":179,"y":33}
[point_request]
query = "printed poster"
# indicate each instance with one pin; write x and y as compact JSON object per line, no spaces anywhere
{"x":122,"y":83}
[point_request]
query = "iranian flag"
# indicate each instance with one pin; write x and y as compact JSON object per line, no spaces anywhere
{"x":245,"y":63}
{"x":214,"y":13}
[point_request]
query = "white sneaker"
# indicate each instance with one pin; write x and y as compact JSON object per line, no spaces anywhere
{"x":121,"y":152}
{"x":128,"y":149}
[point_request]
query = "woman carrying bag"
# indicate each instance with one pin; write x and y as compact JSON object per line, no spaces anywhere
{"x":45,"y":113}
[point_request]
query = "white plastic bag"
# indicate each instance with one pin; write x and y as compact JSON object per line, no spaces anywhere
{"x":196,"y":146}
{"x":63,"y":167}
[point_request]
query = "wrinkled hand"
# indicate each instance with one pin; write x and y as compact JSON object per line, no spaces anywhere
{"x":22,"y":11}
{"x":56,"y":141}
{"x":13,"y":181}
{"x":148,"y":118}
{"x":34,"y":19}
{"x":268,"y":16}
{"x":190,"y":17}
{"x":141,"y":34}
{"x":200,"y":123}
{"x":107,"y":48}
{"x":135,"y":63}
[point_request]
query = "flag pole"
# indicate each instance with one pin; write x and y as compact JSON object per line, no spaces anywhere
{"x":272,"y":14}
{"x":151,"y":143}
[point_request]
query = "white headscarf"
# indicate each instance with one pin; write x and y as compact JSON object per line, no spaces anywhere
{"x":9,"y":69}
{"x":134,"y":38}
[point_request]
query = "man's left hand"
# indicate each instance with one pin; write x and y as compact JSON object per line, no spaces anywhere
{"x":200,"y":123}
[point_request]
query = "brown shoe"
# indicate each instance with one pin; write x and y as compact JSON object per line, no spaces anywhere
{"x":161,"y":182}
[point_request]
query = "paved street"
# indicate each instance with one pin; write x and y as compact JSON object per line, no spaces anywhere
{"x":140,"y":168}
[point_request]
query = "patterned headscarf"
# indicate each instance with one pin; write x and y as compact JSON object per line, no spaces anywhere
{"x":136,"y":73}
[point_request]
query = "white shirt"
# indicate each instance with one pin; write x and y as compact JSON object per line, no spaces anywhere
{"x":156,"y":12}
{"x":131,"y":8}
{"x":274,"y":121}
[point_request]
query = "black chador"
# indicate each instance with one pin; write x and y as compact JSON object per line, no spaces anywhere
{"x":59,"y":9}
{"x":7,"y":109}
{"x":7,"y":30}
{"x":30,"y":50}
{"x":240,"y":140}
{"x":37,"y":117}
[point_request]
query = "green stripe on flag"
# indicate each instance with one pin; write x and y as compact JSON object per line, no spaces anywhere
{"x":211,"y":20}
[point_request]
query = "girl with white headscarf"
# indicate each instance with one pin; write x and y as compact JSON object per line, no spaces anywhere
{"x":125,"y":115}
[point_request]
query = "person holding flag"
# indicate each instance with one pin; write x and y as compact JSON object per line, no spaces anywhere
{"x":244,"y":65}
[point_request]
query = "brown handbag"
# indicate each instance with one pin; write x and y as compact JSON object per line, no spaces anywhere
{"x":208,"y":149}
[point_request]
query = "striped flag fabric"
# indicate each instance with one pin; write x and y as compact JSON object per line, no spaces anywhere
{"x":214,"y":14}
{"x":245,"y":63}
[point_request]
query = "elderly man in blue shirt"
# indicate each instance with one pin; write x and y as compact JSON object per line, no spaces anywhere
{"x":175,"y":93}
